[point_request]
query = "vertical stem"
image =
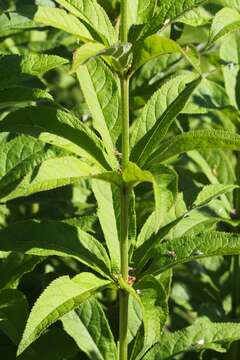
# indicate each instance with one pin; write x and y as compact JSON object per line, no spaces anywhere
{"x":123,"y":296}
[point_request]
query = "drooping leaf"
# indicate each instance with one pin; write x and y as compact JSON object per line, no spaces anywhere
{"x":225,"y":21}
{"x":202,"y":335}
{"x":13,"y":96}
{"x":89,"y":327}
{"x":12,"y":23}
{"x":103,"y":194}
{"x":15,"y":68}
{"x":193,"y":140}
{"x":148,"y":143}
{"x":209,"y":192}
{"x":62,"y":129}
{"x":59,"y":298}
{"x":45,"y":238}
{"x":94,"y":15}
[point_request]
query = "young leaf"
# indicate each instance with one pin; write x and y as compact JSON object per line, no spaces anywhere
{"x":45,"y":238}
{"x":62,"y":129}
{"x":202,"y":335}
{"x":146,"y":146}
{"x":89,"y":327}
{"x":226,"y":20}
{"x":103,"y":194}
{"x":189,"y":248}
{"x":101,"y":92}
{"x":60,"y":297}
{"x":193,"y":140}
{"x":94,"y":15}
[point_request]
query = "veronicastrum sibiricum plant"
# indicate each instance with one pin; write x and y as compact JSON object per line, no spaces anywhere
{"x":159,"y":84}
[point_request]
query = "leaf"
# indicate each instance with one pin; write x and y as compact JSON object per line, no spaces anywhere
{"x":154,"y":46}
{"x":60,"y":297}
{"x":209,"y":192}
{"x":154,"y":316}
{"x":14,"y":68}
{"x":14,"y":267}
{"x":94,"y":15}
{"x":13,"y":313}
{"x":189,"y":248}
{"x":89,"y":327}
{"x":157,"y":105}
{"x":167,"y":11}
{"x":101,"y":91}
{"x":203,"y":334}
{"x":148,"y":143}
{"x":196,"y":17}
{"x":84,"y":53}
{"x":192,"y":140}
{"x":12,"y":23}
{"x":225,"y":21}
{"x":46,"y":238}
{"x":103,"y":194}
{"x":62,"y":129}
{"x":58,"y":18}
{"x":13,"y":96}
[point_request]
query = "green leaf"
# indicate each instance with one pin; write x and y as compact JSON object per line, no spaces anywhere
{"x":203,"y":334}
{"x":46,"y":238}
{"x":15,"y":266}
{"x":189,"y":248}
{"x":14,"y":68}
{"x":13,"y":313}
{"x":156,"y":45}
{"x":167,"y":11}
{"x":84,"y":53}
{"x":161,"y":123}
{"x":12,"y":23}
{"x":101,"y":91}
{"x":225,"y":21}
{"x":209,"y":192}
{"x":13,"y":96}
{"x":140,"y":11}
{"x":62,"y":129}
{"x":89,"y":327}
{"x":196,"y":17}
{"x":94,"y":15}
{"x":58,"y":18}
{"x":103,"y":194}
{"x":60,"y":297}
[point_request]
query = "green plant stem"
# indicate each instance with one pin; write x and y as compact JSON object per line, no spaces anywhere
{"x":124,"y":21}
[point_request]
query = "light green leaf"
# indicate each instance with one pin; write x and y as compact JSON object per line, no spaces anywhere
{"x":14,"y":68}
{"x":189,"y":248}
{"x":200,"y":139}
{"x":59,"y":298}
{"x":103,"y":194}
{"x":62,"y":129}
{"x":148,"y":143}
{"x":89,"y":327}
{"x":12,"y":23}
{"x":101,"y":92}
{"x":154,"y":46}
{"x":13,"y":96}
{"x":196,"y":17}
{"x":84,"y":53}
{"x":140,"y":11}
{"x":46,"y":238}
{"x":209,"y":192}
{"x":225,"y":21}
{"x":94,"y":15}
{"x":13,"y":313}
{"x":203,"y":334}
{"x":58,"y":18}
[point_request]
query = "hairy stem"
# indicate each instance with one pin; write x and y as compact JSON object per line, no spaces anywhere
{"x":123,"y":296}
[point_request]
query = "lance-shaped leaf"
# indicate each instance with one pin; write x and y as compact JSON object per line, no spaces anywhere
{"x":13,"y":96}
{"x":15,"y":266}
{"x":155,"y":313}
{"x":59,"y":298}
{"x":189,"y":248}
{"x":226,"y":21}
{"x":89,"y":327}
{"x":94,"y":15}
{"x":210,"y":192}
{"x":196,"y":17}
{"x":140,"y":11}
{"x":195,"y":140}
{"x":58,"y":18}
{"x":62,"y":129}
{"x":13,"y":313}
{"x":167,"y":11}
{"x":45,"y":238}
{"x":148,"y":143}
{"x":15,"y":68}
{"x":103,"y":194}
{"x":200,"y":336}
{"x":101,"y":92}
{"x":12,"y":23}
{"x":156,"y":45}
